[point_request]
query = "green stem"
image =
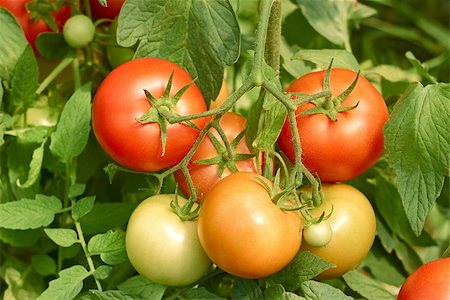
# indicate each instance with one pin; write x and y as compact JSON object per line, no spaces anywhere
{"x":56,"y":71}
{"x":273,"y":41}
{"x":76,"y":74}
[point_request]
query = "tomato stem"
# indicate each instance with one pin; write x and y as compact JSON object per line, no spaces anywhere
{"x":55,"y":72}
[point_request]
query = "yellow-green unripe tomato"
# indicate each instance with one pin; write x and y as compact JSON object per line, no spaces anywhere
{"x":78,"y":31}
{"x":162,"y":247}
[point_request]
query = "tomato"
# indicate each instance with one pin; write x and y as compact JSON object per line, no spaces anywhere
{"x":243,"y":231}
{"x":33,"y":29}
{"x":338,"y":150}
{"x":116,"y":54}
{"x":223,"y":95}
{"x":161,"y":246}
{"x":79,"y":31}
{"x":109,"y":12}
{"x":205,"y":176}
{"x":318,"y":235}
{"x":430,"y":281}
{"x":353,"y":226}
{"x":120,"y":101}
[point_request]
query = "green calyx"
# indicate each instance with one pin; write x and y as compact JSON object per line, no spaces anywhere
{"x":324,"y":102}
{"x":227,"y":156}
{"x":163,"y":110}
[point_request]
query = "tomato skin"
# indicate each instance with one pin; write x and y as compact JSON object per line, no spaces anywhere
{"x":338,"y":150}
{"x":430,"y":281}
{"x":110,"y":12}
{"x":353,"y":225}
{"x":205,"y":177}
{"x":79,"y":31}
{"x":120,"y":100}
{"x":223,"y":95}
{"x":33,"y":29}
{"x":161,"y":246}
{"x":243,"y":231}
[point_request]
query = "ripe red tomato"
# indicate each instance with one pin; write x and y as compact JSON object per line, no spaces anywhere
{"x":353,"y":226}
{"x":243,"y":231}
{"x":33,"y":29}
{"x":338,"y":150}
{"x":204,"y":176}
{"x":101,"y":12}
{"x":430,"y":281}
{"x":120,"y":100}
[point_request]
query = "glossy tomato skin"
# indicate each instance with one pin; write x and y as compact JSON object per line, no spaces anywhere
{"x":204,"y":176}
{"x":243,"y":231}
{"x":338,"y":150}
{"x":353,"y":226}
{"x":101,"y":12}
{"x":33,"y":29}
{"x":162,"y":247}
{"x":431,"y":281}
{"x":120,"y":100}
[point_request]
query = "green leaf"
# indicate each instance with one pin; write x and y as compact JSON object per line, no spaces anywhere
{"x":314,"y":290}
{"x":110,"y":246}
{"x":25,"y":81}
{"x":67,"y":286}
{"x":140,"y":288}
{"x":12,"y":41}
{"x":52,"y":45}
{"x":43,"y":264}
{"x":64,"y":237}
{"x":106,"y":295}
{"x":304,"y":266}
{"x":174,"y":30}
{"x":76,"y":189}
{"x":20,"y":238}
{"x":29,"y":213}
{"x":421,"y":68}
{"x":322,"y":58}
{"x":391,"y":73}
{"x":72,"y":131}
{"x":32,"y":135}
{"x":366,"y":286}
{"x":417,"y":142}
{"x":102,"y":272}
{"x":246,"y":289}
{"x":35,"y":167}
{"x":200,"y":293}
{"x":20,"y":284}
{"x":82,"y":207}
{"x":277,"y":292}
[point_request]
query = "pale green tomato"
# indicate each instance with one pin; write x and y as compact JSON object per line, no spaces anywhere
{"x":318,"y":235}
{"x":162,"y":247}
{"x":78,"y":31}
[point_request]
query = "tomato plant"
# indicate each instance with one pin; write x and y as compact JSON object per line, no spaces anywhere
{"x":161,"y":246}
{"x":338,"y":150}
{"x":79,"y":31}
{"x":109,"y":12}
{"x":353,"y":226}
{"x":243,"y":231}
{"x":211,"y":161}
{"x":429,"y":281}
{"x":116,"y":54}
{"x":32,"y":28}
{"x":120,"y":101}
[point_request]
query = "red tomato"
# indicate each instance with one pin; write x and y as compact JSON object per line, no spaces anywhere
{"x":110,"y":12}
{"x":430,"y":281}
{"x":338,"y":150}
{"x":243,"y":231}
{"x":33,"y":29}
{"x":204,"y":176}
{"x":120,"y":100}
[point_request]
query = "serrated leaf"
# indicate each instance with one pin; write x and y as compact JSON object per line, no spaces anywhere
{"x":82,"y":207}
{"x":200,"y":293}
{"x":314,"y":290}
{"x":246,"y":289}
{"x":110,"y":246}
{"x":72,"y":131}
{"x":322,"y":58}
{"x":383,"y":266}
{"x":35,"y":167}
{"x":13,"y":43}
{"x":140,"y":288}
{"x":29,"y":213}
{"x":43,"y":264}
{"x":366,"y":286}
{"x":417,"y":142}
{"x":277,"y":292}
{"x":304,"y":266}
{"x":173,"y":30}
{"x":25,"y":81}
{"x":64,"y":237}
{"x":67,"y":286}
{"x":106,"y":295}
